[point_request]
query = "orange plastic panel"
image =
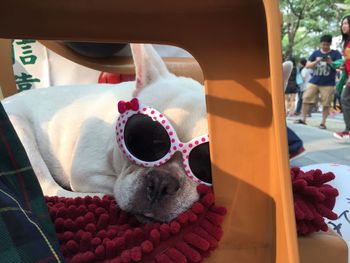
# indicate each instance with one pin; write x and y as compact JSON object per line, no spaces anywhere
{"x":7,"y":81}
{"x":180,"y":66}
{"x":237,"y":44}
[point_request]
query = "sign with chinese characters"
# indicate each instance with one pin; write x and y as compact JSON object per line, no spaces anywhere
{"x":28,"y":64}
{"x":35,"y":66}
{"x":342,"y":205}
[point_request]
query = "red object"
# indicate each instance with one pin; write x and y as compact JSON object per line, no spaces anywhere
{"x":313,"y":200}
{"x":123,"y":106}
{"x":114,"y":78}
{"x":92,"y":229}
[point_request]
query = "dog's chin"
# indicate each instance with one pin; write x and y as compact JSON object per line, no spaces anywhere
{"x":154,"y":218}
{"x":131,"y":193}
{"x":147,"y":218}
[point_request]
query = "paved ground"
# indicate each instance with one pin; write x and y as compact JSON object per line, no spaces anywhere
{"x":320,"y":145}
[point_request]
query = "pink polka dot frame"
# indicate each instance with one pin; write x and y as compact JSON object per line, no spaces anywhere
{"x":176,"y":145}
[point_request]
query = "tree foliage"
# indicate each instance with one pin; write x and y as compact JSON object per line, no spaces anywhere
{"x":304,"y":21}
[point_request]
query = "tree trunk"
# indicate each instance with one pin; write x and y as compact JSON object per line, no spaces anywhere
{"x":291,"y":36}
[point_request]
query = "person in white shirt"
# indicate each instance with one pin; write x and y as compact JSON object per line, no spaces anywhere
{"x":306,"y":75}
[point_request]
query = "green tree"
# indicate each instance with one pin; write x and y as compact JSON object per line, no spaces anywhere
{"x":304,"y":21}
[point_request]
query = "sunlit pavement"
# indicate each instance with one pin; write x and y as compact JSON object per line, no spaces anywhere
{"x":321,"y":146}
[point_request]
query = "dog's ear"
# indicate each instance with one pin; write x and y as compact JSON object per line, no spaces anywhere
{"x":149,"y":66}
{"x":287,"y":70}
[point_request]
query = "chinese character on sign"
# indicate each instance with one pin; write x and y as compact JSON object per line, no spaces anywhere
{"x":27,"y":58}
{"x":25,"y":81}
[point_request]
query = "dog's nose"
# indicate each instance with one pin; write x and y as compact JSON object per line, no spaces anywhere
{"x":160,"y":184}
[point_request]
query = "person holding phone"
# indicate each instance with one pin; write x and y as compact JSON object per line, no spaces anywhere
{"x":322,"y":82}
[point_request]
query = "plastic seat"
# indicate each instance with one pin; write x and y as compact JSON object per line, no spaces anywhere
{"x":237,"y":44}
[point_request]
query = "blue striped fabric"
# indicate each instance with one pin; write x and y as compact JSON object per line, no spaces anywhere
{"x":26,"y":231}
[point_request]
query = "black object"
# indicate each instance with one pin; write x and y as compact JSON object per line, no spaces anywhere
{"x":148,"y":140}
{"x":95,"y":50}
{"x":149,"y":143}
{"x":294,"y":141}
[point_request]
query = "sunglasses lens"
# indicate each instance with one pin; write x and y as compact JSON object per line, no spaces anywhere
{"x":200,"y":164}
{"x":146,"y":139}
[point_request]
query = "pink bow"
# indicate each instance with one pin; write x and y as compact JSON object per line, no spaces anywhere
{"x":128,"y":105}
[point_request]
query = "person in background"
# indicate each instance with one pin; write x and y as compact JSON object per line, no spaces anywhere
{"x":295,"y":144}
{"x":305,"y":74}
{"x":322,"y":81}
{"x":291,"y":90}
{"x":340,"y":83}
{"x":345,"y":96}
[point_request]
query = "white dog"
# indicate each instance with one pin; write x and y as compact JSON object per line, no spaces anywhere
{"x":150,"y":152}
{"x":69,"y":134}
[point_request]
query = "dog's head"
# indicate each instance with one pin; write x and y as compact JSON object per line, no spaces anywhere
{"x":162,"y":192}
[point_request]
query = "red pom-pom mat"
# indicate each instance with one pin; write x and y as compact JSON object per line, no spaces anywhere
{"x":314,"y":200}
{"x":92,"y":229}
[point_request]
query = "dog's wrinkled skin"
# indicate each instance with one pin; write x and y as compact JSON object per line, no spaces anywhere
{"x":69,"y":136}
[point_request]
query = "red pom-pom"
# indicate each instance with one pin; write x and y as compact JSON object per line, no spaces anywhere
{"x":103,"y":221}
{"x":88,"y":257}
{"x":219,"y":210}
{"x":175,"y":227}
{"x":176,"y":255}
{"x":70,"y":225}
{"x":183,"y":218}
{"x":163,"y":258}
{"x":147,"y":246}
{"x":197,"y":208}
{"x":197,"y":241}
{"x":67,"y":235}
{"x":59,"y":224}
{"x":155,"y":236}
{"x":203,"y":189}
{"x":215,"y":218}
{"x":72,"y":247}
{"x":188,"y":252}
{"x":192,"y":217}
{"x":92,"y":229}
{"x":204,"y":234}
{"x":136,"y":254}
{"x":100,"y":252}
{"x":95,"y":229}
{"x":95,"y":242}
{"x":313,"y":200}
{"x":89,"y":218}
{"x":208,"y":199}
{"x":82,"y":210}
{"x":125,"y":256}
{"x":85,"y":241}
{"x":102,"y":234}
{"x":164,"y":231}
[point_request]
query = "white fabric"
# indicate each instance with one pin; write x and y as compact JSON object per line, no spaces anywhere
{"x":306,"y":75}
